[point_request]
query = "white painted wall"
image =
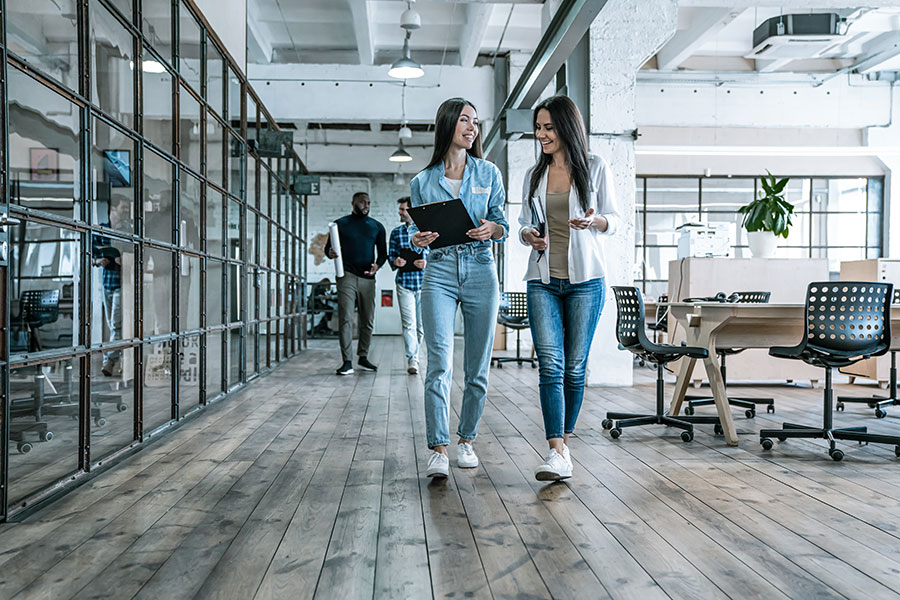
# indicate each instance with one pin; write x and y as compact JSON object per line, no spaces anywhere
{"x":228,"y":18}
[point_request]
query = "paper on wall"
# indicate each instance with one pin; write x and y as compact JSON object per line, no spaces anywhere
{"x":336,"y":246}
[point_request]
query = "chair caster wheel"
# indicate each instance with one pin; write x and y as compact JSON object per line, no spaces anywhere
{"x":689,"y":410}
{"x":607,"y":424}
{"x":100,"y":422}
{"x":499,"y":365}
{"x":533,"y":366}
{"x":781,"y":439}
{"x":23,"y":447}
{"x":766,"y":443}
{"x":770,"y":408}
{"x":880,"y":414}
{"x":687,"y":436}
{"x":615,"y":433}
{"x":897,"y":451}
{"x":836,"y":455}
{"x":750,"y":413}
{"x":718,"y":429}
{"x":47,"y":436}
{"x":840,"y":406}
{"x":121,"y":407}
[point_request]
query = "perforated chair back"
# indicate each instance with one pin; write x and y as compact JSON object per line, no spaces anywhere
{"x":39,"y":307}
{"x":848,"y":318}
{"x":896,"y":298}
{"x":513,"y":309}
{"x":752,"y":297}
{"x":630,"y":317}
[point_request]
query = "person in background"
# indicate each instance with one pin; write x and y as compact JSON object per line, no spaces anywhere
{"x":109,"y":259}
{"x":361,"y":236}
{"x":461,"y":276}
{"x":409,"y":284}
{"x":569,"y":195}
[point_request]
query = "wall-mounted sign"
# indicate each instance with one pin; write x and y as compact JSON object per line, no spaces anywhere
{"x":306,"y":185}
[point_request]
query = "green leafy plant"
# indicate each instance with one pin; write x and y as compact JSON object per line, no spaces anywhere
{"x":769,"y":212}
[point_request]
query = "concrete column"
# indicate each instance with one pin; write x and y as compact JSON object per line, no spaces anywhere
{"x":888,"y":137}
{"x":624,"y":36}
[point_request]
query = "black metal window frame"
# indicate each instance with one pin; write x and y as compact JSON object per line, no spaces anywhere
{"x":280,"y":327}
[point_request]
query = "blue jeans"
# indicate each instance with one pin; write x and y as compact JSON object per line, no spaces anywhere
{"x":563,"y":318}
{"x":461,"y":276}
{"x":410,"y":320}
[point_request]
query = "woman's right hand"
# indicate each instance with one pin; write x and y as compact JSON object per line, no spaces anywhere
{"x":422,"y":239}
{"x":532,"y":237}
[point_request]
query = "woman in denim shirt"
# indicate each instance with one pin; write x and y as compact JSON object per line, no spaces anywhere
{"x":568,"y":206}
{"x":463,"y":275}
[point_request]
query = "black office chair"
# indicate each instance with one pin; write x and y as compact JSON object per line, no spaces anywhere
{"x":846,"y":321}
{"x":513,"y":313}
{"x":748,"y":403}
{"x":661,"y":324}
{"x":631,"y":336}
{"x":36,"y":308}
{"x":879,"y":402}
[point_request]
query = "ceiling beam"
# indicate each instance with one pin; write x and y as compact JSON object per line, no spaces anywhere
{"x":478,"y":17}
{"x":362,"y":17}
{"x":771,"y":65}
{"x":705,"y":24}
{"x":787,"y":5}
{"x":259,"y":39}
{"x":885,"y":48}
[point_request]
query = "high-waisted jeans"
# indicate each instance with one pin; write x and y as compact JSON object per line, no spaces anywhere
{"x":461,"y":276}
{"x":563,"y":318}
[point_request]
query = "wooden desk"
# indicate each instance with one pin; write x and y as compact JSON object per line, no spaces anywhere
{"x":714,"y":324}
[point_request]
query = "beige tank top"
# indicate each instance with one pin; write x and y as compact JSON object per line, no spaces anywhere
{"x":558,"y":229}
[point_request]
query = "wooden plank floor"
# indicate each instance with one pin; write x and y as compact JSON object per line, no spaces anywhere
{"x":308,"y":485}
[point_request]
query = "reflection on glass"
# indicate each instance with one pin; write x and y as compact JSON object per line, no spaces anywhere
{"x":251,"y":196}
{"x":214,"y":293}
{"x":234,"y":293}
{"x":43,"y":425}
{"x":263,"y":204}
{"x":215,"y":217}
{"x":189,"y":111}
{"x":234,"y":229}
{"x":112,"y":297}
{"x":264,"y":295}
{"x":841,"y":229}
{"x":189,"y":57}
{"x":726,"y":194}
{"x":112,"y":65}
{"x":264,"y":345}
{"x":45,"y":277}
{"x":273,"y":342}
{"x":214,"y":132}
{"x":252,"y":291}
{"x":673,"y":194}
{"x":189,"y":293}
{"x":275,"y":297}
{"x":843,"y":195}
{"x":189,"y":227}
{"x":213,"y":365}
{"x":189,"y":375}
{"x":234,"y":357}
{"x":112,"y":405}
{"x":252,"y":124}
{"x":157,"y":198}
{"x":156,"y":25}
{"x":47,"y":39}
{"x":157,"y":385}
{"x":112,"y":171}
{"x":251,"y":237}
{"x":215,"y":79}
{"x":250,"y":354}
{"x":158,"y":113}
{"x":234,"y":99}
{"x":235,"y":164}
{"x":44,"y":154}
{"x":157,"y":289}
{"x":263,"y":242}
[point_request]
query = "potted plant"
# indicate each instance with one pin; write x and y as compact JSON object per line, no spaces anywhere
{"x":767,"y":217}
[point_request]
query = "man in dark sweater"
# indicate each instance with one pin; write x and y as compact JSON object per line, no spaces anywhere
{"x":360,"y":237}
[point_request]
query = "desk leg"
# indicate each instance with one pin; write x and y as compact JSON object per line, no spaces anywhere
{"x":717,"y":385}
{"x":681,"y":384}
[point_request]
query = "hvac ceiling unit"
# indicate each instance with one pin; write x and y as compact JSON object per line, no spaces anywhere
{"x":796,"y":36}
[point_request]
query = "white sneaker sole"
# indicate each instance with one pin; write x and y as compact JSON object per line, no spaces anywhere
{"x":437,"y":474}
{"x":413,"y":370}
{"x":551,"y":475}
{"x":342,"y":373}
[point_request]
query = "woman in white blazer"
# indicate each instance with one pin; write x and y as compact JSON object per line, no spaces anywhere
{"x":568,"y":206}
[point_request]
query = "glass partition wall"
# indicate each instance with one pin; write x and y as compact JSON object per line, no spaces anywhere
{"x":838,"y":218}
{"x":145,"y":270}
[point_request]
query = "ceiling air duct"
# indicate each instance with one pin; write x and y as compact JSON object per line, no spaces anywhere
{"x":796,"y":36}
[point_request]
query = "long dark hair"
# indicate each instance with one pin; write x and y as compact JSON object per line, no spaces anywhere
{"x":570,"y":131}
{"x":445,"y":127}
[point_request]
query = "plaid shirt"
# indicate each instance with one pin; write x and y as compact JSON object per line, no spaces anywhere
{"x":112,"y":272}
{"x":411,"y":280}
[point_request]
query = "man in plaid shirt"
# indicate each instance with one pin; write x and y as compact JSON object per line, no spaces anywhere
{"x":109,"y":259}
{"x":409,"y":283}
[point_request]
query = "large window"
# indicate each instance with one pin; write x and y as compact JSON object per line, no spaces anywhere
{"x":838,"y":218}
{"x":140,"y":246}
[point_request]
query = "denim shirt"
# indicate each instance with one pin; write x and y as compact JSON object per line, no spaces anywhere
{"x":481,"y":193}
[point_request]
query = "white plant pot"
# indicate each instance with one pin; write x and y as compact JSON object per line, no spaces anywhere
{"x":763,"y":244}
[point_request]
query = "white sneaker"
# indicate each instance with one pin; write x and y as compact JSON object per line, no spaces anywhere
{"x":412,"y":366}
{"x":566,"y":454}
{"x":438,"y":465}
{"x":465,"y":456}
{"x":555,"y":467}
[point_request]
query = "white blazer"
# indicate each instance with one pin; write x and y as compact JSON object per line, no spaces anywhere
{"x":586,"y":260}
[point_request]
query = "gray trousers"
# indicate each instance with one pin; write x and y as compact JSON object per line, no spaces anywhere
{"x":358,"y":291}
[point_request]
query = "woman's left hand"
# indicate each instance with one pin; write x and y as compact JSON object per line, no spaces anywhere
{"x":583,"y":222}
{"x":485,"y":232}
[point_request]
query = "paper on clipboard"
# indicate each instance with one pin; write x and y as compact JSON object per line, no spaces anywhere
{"x":336,"y":246}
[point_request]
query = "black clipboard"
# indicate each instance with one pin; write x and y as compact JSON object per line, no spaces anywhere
{"x":449,"y":218}
{"x":409,"y":256}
